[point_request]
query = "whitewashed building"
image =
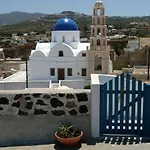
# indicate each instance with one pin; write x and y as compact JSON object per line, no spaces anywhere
{"x":62,"y":59}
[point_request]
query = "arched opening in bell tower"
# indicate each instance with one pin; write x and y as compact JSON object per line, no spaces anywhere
{"x":98,"y":42}
{"x":98,"y":12}
{"x":93,"y":32}
{"x":98,"y":31}
{"x":98,"y":63}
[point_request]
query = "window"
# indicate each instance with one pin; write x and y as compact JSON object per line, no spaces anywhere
{"x":98,"y":12}
{"x":54,"y":39}
{"x":83,"y":71}
{"x":73,"y":39}
{"x":63,"y":39}
{"x":98,"y":63}
{"x":61,"y":54}
{"x":52,"y":71}
{"x":69,"y":71}
{"x":94,"y":12}
{"x":98,"y":42}
{"x":83,"y":54}
{"x":98,"y":31}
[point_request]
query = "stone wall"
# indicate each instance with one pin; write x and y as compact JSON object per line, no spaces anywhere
{"x":57,"y":104}
{"x":34,"y":115}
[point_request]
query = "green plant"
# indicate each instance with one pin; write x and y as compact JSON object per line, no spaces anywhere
{"x":66,"y":130}
{"x":87,"y":87}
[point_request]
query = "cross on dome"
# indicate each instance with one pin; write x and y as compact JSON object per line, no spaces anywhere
{"x":99,"y":1}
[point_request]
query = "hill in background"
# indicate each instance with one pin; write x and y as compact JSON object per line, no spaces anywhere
{"x":15,"y":17}
{"x":20,"y":22}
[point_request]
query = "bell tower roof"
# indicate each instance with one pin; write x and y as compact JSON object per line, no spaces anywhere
{"x":99,"y":3}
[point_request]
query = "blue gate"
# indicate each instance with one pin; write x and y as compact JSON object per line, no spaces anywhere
{"x":124,"y":106}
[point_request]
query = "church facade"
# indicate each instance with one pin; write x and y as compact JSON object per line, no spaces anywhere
{"x":66,"y":58}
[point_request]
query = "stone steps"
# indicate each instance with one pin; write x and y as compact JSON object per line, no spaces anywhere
{"x":54,"y":85}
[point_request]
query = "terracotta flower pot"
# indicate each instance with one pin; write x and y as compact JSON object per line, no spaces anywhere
{"x":69,"y":141}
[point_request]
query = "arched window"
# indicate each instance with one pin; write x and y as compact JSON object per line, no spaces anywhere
{"x":61,"y":54}
{"x":98,"y":42}
{"x":98,"y":12}
{"x":63,"y":39}
{"x":94,"y":12}
{"x":98,"y":63}
{"x":98,"y":31}
{"x":54,"y":39}
{"x":73,"y":39}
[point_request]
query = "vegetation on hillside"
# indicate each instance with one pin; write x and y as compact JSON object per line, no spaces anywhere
{"x":84,"y":22}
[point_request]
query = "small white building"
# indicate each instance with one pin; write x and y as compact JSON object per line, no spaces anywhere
{"x":64,"y":58}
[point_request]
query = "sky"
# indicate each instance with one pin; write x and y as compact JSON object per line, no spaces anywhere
{"x":112,"y":7}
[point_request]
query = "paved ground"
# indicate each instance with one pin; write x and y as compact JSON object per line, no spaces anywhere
{"x":105,"y":143}
{"x":84,"y":147}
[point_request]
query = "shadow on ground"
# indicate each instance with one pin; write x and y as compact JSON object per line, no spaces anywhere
{"x":115,"y":140}
{"x":59,"y":146}
{"x":119,"y":140}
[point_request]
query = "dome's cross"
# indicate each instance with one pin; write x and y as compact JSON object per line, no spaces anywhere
{"x":99,"y":1}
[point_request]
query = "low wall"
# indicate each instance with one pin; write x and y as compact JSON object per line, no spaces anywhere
{"x":75,"y":84}
{"x":22,"y":85}
{"x":32,"y":116}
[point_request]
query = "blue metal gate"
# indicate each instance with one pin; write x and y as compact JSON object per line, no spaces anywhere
{"x":122,"y":104}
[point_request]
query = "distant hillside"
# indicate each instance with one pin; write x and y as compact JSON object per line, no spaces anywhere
{"x":25,"y":22}
{"x":15,"y":17}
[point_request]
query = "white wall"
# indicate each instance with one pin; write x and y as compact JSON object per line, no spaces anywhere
{"x":57,"y":36}
{"x":22,"y":85}
{"x":75,"y":84}
{"x":41,"y":70}
{"x":103,"y":78}
{"x":39,"y":84}
{"x":23,"y":67}
{"x":12,"y":85}
{"x":39,"y":67}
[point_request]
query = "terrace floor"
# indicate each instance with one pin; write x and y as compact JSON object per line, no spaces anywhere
{"x":104,"y":143}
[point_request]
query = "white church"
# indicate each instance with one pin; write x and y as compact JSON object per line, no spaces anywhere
{"x":65,"y":57}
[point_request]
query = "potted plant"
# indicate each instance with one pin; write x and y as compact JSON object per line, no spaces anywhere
{"x":68,"y":134}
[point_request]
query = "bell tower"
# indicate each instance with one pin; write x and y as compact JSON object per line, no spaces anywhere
{"x":98,"y":53}
{"x":98,"y":40}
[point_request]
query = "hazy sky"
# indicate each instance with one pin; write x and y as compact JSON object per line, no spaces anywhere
{"x":112,"y":7}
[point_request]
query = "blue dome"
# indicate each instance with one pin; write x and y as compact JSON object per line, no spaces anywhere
{"x":65,"y":24}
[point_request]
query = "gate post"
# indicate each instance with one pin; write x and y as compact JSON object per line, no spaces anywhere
{"x":146,"y":111}
{"x":95,"y":106}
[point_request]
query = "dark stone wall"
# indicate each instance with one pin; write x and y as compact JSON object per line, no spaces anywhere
{"x":57,"y":104}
